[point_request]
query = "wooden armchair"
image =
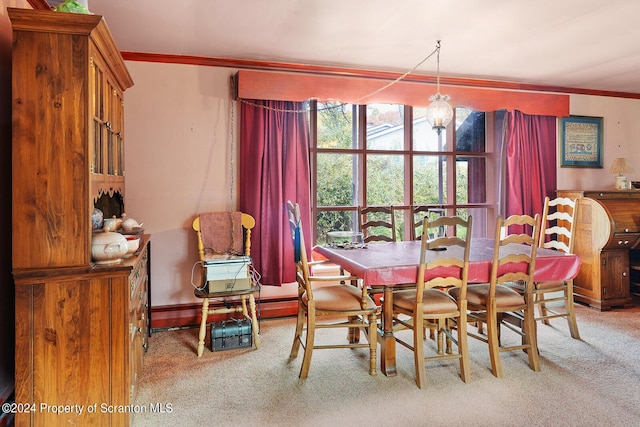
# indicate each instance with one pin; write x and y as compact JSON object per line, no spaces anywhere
{"x":235,"y":301}
{"x":348,"y":300}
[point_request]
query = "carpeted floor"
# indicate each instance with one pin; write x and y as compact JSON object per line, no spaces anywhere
{"x":594,"y":381}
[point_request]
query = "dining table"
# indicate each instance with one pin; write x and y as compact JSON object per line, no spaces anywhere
{"x":390,"y":265}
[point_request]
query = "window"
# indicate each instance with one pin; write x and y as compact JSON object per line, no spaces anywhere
{"x":382,"y":154}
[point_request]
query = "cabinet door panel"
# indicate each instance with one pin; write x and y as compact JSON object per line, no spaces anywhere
{"x":615,"y":274}
{"x":71,"y":327}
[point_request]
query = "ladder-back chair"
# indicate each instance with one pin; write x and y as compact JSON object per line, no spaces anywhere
{"x":430,"y":306}
{"x":558,"y":227}
{"x":418,"y":212}
{"x":377,"y":223}
{"x":348,"y":300}
{"x":490,"y":302}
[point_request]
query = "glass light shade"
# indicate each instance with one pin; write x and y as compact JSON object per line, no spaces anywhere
{"x":440,"y":113}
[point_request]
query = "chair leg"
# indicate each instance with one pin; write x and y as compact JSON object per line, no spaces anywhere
{"x":373,"y":343}
{"x":203,"y":326}
{"x":493,"y":339}
{"x":298,"y":335}
{"x":441,"y":337}
{"x":254,"y":321}
{"x":447,"y":325}
{"x":463,"y":346}
{"x":353,"y":336}
{"x":308,"y":346}
{"x":418,"y":351}
{"x":531,"y":338}
{"x":571,"y":318}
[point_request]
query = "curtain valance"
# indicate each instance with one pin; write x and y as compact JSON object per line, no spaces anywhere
{"x":291,"y":86}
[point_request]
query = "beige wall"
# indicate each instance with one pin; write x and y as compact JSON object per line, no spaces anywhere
{"x":621,"y":128}
{"x":178,"y":163}
{"x":178,"y":160}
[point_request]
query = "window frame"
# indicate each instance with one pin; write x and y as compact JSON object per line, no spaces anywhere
{"x":491,"y":154}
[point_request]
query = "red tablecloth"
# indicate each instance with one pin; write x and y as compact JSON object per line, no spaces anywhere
{"x":396,"y":263}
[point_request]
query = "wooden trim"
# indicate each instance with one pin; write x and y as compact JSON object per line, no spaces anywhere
{"x":338,"y":71}
{"x":180,"y":315}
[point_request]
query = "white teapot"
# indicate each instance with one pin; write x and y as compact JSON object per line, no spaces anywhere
{"x":129,"y":224}
{"x":112,"y":224}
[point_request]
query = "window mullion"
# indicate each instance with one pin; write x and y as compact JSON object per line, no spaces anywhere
{"x":362,"y":156}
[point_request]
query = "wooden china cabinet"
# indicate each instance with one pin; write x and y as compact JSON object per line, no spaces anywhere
{"x":81,"y":328}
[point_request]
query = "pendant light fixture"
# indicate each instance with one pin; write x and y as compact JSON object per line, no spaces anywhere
{"x":440,"y":113}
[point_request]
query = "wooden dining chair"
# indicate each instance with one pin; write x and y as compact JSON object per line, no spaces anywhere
{"x":377,"y":223}
{"x":559,"y":219}
{"x":558,"y":229}
{"x":234,"y":300}
{"x":348,"y":300}
{"x":491,"y":302}
{"x":429,"y":306}
{"x":418,"y":212}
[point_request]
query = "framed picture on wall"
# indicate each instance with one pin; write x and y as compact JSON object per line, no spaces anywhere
{"x":581,"y":142}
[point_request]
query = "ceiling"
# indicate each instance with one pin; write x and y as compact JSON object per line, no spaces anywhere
{"x":584,"y":44}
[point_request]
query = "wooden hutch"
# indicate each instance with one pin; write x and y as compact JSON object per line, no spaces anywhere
{"x":607,"y":231}
{"x":81,"y":328}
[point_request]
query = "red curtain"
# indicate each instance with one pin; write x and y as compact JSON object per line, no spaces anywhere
{"x":530,"y":162}
{"x":274,"y":168}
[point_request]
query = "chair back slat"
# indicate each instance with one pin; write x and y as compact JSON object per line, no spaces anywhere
{"x":377,"y":223}
{"x":558,"y":224}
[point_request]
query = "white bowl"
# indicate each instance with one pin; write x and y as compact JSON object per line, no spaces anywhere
{"x":132,"y":245}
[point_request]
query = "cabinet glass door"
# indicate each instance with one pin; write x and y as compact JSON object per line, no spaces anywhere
{"x":98,"y":113}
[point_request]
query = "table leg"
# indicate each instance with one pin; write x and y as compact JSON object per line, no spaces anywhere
{"x":386,"y":338}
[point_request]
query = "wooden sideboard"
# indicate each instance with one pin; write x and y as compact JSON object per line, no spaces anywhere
{"x":81,"y":328}
{"x":80,"y":338}
{"x":607,"y":229}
